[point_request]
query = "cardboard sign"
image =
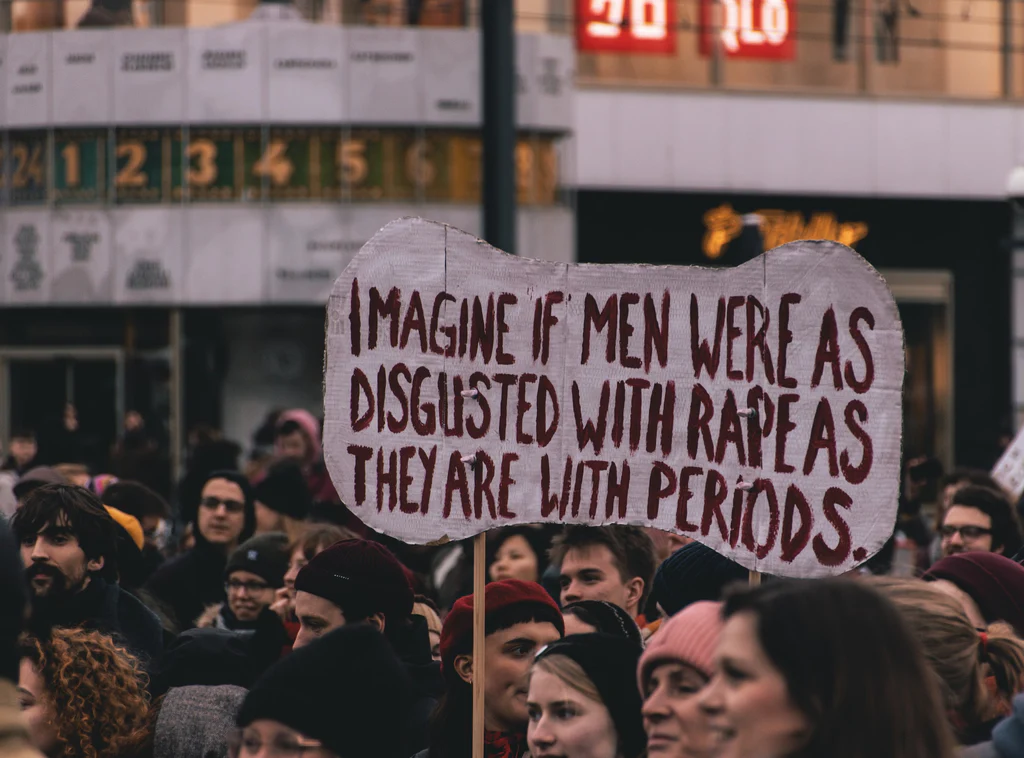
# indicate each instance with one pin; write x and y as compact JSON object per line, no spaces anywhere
{"x":756,"y":409}
{"x":1009,"y":469}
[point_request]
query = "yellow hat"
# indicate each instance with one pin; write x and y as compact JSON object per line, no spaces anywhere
{"x":129,"y":523}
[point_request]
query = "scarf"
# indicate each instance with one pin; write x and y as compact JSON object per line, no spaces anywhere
{"x":504,"y":745}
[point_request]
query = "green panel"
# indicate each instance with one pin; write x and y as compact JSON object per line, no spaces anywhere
{"x":25,"y":167}
{"x":210,"y":164}
{"x":78,"y":166}
{"x":141,"y":166}
{"x":281,"y":170}
{"x":421,"y":166}
{"x":352,"y":164}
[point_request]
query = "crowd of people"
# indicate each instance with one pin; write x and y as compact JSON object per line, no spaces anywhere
{"x":251,"y":614}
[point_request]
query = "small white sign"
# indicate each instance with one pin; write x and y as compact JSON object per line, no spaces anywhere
{"x":1009,"y":469}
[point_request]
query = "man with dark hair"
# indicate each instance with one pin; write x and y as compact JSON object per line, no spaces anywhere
{"x":225,"y":517}
{"x":68,"y":547}
{"x":613,"y":563}
{"x":980,"y":519}
{"x":22,"y":451}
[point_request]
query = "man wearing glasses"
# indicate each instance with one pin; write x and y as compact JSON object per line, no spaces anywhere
{"x":255,"y":571}
{"x":980,"y":520}
{"x":194,"y":581}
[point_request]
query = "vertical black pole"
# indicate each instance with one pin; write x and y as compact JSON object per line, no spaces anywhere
{"x":499,"y":98}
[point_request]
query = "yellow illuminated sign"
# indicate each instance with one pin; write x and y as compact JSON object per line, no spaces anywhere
{"x":723,"y":224}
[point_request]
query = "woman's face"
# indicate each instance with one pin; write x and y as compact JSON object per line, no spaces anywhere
{"x":510,"y":654}
{"x":515,"y":559}
{"x":37,"y":709}
{"x":747,"y":701}
{"x":675,"y":724}
{"x":564,"y":723}
{"x":265,"y":738}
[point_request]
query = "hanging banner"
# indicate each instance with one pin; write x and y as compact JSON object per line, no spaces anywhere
{"x":383,"y":84}
{"x":148,"y":256}
{"x":28,"y":79}
{"x":752,"y":29}
{"x":306,"y":74}
{"x":226,"y":74}
{"x":756,"y":409}
{"x":149,"y":75}
{"x":27,"y":268}
{"x":82,"y":71}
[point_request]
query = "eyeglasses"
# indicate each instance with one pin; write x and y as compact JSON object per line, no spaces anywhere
{"x":213,"y":503}
{"x":252,"y":588}
{"x":244,"y":744}
{"x":966,"y":532}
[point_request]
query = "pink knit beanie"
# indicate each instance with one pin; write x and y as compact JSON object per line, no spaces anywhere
{"x":690,"y":637}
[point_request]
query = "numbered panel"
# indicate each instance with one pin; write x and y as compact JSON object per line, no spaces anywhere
{"x":626,"y":26}
{"x":24,"y":167}
{"x":352,"y":164}
{"x":281,"y":169}
{"x":207,"y":165}
{"x":141,"y":165}
{"x":79,"y":163}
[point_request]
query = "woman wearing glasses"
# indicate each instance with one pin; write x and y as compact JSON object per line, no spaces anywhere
{"x":193,"y":581}
{"x":341,"y":696}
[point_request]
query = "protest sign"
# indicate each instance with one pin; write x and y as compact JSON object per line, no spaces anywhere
{"x":1009,"y":469}
{"x":757,"y":409}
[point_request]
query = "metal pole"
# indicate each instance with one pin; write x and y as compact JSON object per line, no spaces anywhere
{"x":177,"y":358}
{"x":1006,"y":26}
{"x":499,"y":98}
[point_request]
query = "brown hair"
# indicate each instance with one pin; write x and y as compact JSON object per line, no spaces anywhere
{"x":631,"y":548}
{"x":97,"y":690}
{"x":960,"y":657}
{"x":316,"y":539}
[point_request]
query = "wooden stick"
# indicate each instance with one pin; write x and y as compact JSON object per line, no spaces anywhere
{"x":479,"y":581}
{"x":754,"y":580}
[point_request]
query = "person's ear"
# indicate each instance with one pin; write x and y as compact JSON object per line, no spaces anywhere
{"x":96,"y":565}
{"x":634,"y":591}
{"x":377,"y":621}
{"x":464,"y":668}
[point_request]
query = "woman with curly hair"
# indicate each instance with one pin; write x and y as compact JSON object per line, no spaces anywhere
{"x":82,"y":695}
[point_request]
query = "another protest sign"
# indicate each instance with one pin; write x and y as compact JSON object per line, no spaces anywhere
{"x":756,"y":409}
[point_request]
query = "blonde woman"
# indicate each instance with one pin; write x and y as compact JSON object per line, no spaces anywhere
{"x":979,"y":671}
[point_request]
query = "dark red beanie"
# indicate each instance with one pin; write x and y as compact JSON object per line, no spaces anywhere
{"x":528,"y":597}
{"x":994,"y":582}
{"x":360,"y":577}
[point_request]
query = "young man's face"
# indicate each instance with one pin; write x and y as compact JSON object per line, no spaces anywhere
{"x":591,"y":573}
{"x":55,"y":562}
{"x":248,"y":594}
{"x":317,"y":616}
{"x":222,"y":512}
{"x":966,"y":529}
{"x":23,"y":450}
{"x":510,"y":654}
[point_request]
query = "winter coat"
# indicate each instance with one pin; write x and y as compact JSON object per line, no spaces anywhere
{"x":112,"y":610}
{"x":190,"y":583}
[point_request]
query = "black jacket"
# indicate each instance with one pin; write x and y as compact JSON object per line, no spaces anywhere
{"x":190,"y":583}
{"x":110,"y":609}
{"x":411,"y":644}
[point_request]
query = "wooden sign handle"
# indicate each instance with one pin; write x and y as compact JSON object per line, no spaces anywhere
{"x":754,"y":579}
{"x":479,"y":614}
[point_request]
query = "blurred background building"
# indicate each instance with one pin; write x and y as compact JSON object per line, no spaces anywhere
{"x":179,"y":196}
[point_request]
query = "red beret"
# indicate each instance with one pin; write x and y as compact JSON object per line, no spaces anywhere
{"x":536,"y":604}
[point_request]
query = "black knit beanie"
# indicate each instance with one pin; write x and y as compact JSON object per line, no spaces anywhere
{"x":693,"y":572}
{"x":610,"y":663}
{"x":265,"y":555}
{"x":347,"y":690}
{"x":284,"y":490}
{"x":606,"y":618}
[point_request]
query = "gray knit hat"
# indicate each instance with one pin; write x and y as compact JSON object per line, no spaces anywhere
{"x":194,"y":722}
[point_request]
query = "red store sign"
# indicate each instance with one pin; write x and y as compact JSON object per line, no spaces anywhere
{"x":751,"y":28}
{"x":626,"y":26}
